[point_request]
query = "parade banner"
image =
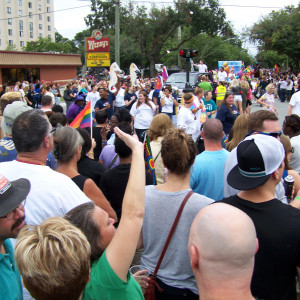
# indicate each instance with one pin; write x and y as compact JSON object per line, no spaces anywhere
{"x":236,"y":64}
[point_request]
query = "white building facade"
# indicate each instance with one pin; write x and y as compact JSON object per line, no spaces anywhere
{"x":23,"y":21}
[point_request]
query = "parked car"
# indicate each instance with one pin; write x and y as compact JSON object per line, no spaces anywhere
{"x":178,"y":80}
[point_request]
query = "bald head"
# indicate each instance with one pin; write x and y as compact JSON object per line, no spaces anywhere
{"x":213,"y":130}
{"x":224,"y":239}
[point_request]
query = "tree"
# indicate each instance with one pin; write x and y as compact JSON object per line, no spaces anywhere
{"x":62,"y":45}
{"x":279,"y":31}
{"x":151,"y":30}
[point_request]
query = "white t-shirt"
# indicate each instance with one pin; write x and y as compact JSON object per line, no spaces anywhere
{"x":202,"y":68}
{"x":187,"y":121}
{"x":283,"y":84}
{"x":94,"y":97}
{"x":222,"y":76}
{"x":51,"y":193}
{"x":295,"y":157}
{"x":143,"y":115}
{"x":295,"y":102}
{"x":22,"y":95}
{"x":120,"y":98}
{"x":168,"y":108}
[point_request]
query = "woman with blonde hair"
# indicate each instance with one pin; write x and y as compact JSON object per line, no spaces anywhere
{"x":159,"y":126}
{"x":239,"y":131}
{"x":67,"y":148}
{"x":244,"y":87}
{"x":235,"y":88}
{"x":268,"y":98}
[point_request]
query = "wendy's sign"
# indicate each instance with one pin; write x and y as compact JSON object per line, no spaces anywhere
{"x":97,"y":43}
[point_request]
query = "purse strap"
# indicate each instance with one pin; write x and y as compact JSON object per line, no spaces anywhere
{"x":186,"y":198}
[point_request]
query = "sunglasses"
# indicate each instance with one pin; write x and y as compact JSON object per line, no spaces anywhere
{"x":273,"y":134}
{"x":11,"y":214}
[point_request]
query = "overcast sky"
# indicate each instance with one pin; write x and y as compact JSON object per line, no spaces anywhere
{"x":244,"y":13}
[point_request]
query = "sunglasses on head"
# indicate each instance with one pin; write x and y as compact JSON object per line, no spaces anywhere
{"x":273,"y":134}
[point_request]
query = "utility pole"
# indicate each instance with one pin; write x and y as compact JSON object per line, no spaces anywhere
{"x":179,"y":40}
{"x":117,"y":32}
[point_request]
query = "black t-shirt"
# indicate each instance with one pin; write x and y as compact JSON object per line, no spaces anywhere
{"x":277,"y":228}
{"x":30,"y":96}
{"x":98,"y":139}
{"x":113,"y":184}
{"x":91,"y":169}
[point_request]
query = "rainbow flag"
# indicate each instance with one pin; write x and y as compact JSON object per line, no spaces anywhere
{"x":247,"y":70}
{"x":164,"y":73}
{"x":149,"y":162}
{"x":84,"y":118}
{"x":276,"y":69}
{"x":243,"y":65}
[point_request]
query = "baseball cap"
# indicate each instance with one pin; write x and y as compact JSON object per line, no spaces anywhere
{"x":258,"y":157}
{"x":11,"y":112}
{"x":12,"y":193}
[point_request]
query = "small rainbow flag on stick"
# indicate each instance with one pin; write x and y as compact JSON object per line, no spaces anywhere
{"x":164,"y":73}
{"x":149,"y":162}
{"x":84,"y":118}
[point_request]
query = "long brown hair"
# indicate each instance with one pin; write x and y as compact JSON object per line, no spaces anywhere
{"x":225,"y":101}
{"x":146,"y":100}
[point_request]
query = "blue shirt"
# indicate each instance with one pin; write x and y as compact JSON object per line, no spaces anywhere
{"x":207,"y":174}
{"x":10,"y":279}
{"x":210,"y":106}
{"x":226,"y":117}
{"x":8,"y":152}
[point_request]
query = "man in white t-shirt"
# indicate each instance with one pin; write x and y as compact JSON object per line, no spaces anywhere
{"x":119,"y":102}
{"x":201,"y":67}
{"x":93,"y":96}
{"x":52,"y":193}
{"x":294,"y":107}
{"x":222,"y":75}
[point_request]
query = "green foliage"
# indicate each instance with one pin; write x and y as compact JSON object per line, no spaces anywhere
{"x":280,"y":31}
{"x":269,"y":58}
{"x":12,"y":47}
{"x":62,"y":45}
{"x":151,"y":30}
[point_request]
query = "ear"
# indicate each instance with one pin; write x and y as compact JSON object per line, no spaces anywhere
{"x":257,"y":245}
{"x":194,"y":257}
{"x":202,"y":134}
{"x":223,"y":133}
{"x":46,"y":141}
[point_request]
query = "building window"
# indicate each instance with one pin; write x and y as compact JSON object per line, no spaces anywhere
{"x":48,"y":9}
{"x":21,"y":33}
{"x":9,"y":31}
{"x":19,"y":13}
{"x":8,"y":1}
{"x":48,"y":1}
{"x":31,"y":34}
{"x":49,"y":28}
{"x":40,"y":27}
{"x":30,"y":26}
{"x":8,"y":10}
{"x":40,"y":17}
{"x":30,"y":4}
{"x":30,"y":15}
{"x":40,"y":35}
{"x":9,"y":21}
{"x":20,"y":24}
{"x":39,"y":7}
{"x":22,"y":44}
{"x":11,"y":42}
{"x":48,"y":19}
{"x":49,"y":36}
{"x":20,"y":2}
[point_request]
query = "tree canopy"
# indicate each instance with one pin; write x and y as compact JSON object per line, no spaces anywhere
{"x":151,"y":30}
{"x":279,"y":31}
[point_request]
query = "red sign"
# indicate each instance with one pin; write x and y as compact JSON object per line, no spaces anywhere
{"x":94,"y":45}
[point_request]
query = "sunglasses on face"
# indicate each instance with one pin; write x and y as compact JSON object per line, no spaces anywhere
{"x":273,"y":134}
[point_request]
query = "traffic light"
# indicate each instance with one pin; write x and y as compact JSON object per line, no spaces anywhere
{"x":187,"y":53}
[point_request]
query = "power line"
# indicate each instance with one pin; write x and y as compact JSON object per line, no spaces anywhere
{"x":46,"y":12}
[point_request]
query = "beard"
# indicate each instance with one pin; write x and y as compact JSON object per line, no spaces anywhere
{"x":16,"y":224}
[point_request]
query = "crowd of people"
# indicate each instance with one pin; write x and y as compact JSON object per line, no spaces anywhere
{"x":83,"y":208}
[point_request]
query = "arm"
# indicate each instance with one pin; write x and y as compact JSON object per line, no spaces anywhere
{"x":261,"y":101}
{"x":289,"y":110}
{"x":162,"y":101}
{"x":120,"y":252}
{"x":27,"y":101}
{"x":94,"y":193}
